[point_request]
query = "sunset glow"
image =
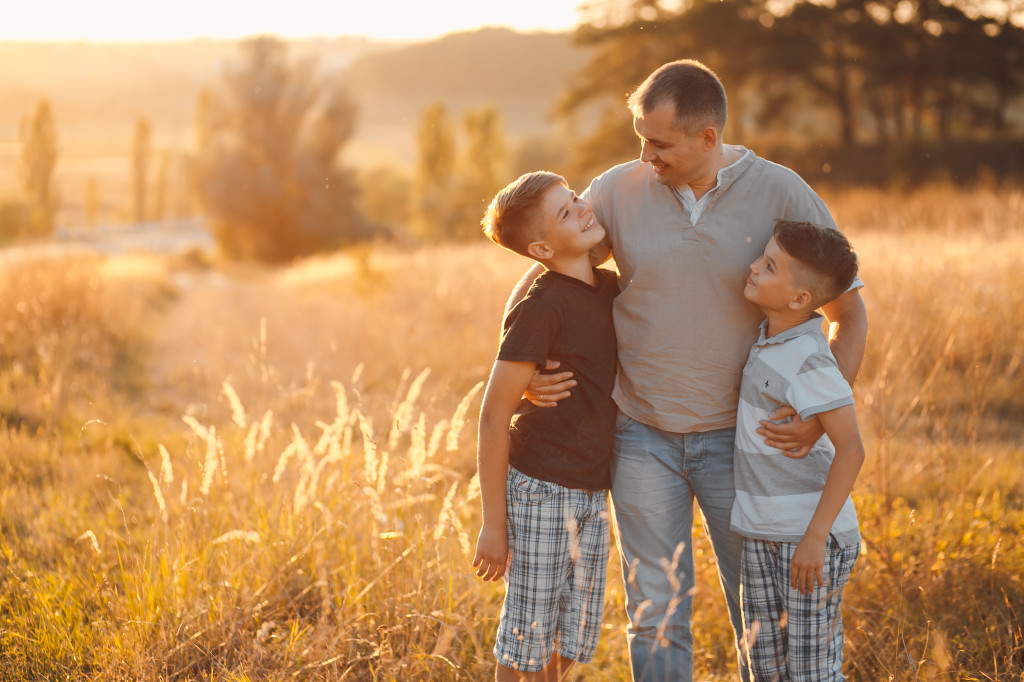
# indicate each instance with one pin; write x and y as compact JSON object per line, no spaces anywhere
{"x":125,"y":21}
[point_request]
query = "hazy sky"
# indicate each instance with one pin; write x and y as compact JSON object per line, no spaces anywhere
{"x":142,"y":20}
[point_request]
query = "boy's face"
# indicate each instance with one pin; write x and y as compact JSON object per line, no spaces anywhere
{"x":568,"y":225}
{"x":770,"y":284}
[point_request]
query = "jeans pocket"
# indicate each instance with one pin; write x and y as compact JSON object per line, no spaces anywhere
{"x":622,"y":422}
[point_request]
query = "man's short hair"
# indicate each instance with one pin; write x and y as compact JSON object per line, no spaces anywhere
{"x":512,"y":219}
{"x":828,"y":262}
{"x":692,"y":88}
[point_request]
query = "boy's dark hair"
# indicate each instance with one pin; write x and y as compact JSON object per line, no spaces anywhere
{"x":830,"y":265}
{"x":694,"y":90}
{"x":511,"y":220}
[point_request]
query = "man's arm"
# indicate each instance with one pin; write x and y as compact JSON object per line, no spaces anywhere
{"x":809,"y":556}
{"x":796,"y":437}
{"x":504,"y":390}
{"x":851,"y":338}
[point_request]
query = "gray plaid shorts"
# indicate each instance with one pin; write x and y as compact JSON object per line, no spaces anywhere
{"x":791,"y":636}
{"x":554,"y":586}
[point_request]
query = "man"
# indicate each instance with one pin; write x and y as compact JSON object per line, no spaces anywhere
{"x":684,"y":222}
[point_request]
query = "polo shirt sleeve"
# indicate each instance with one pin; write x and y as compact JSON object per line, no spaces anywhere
{"x":818,"y":387}
{"x":529,"y":332}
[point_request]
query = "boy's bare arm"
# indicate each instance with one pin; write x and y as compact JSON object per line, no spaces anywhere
{"x":809,"y":558}
{"x":504,"y":390}
{"x":796,"y":437}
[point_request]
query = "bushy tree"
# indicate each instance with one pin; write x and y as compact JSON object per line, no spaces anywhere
{"x":482,"y":169}
{"x":267,"y":170}
{"x":435,"y":168}
{"x":841,"y":72}
{"x":141,"y":157}
{"x":35,"y":169}
{"x":454,"y":182}
{"x":386,"y":197}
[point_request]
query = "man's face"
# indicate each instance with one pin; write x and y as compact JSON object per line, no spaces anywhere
{"x":678,"y":159}
{"x":569,"y":227}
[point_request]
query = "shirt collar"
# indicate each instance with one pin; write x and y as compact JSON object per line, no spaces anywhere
{"x":723,"y":179}
{"x":808,"y":326}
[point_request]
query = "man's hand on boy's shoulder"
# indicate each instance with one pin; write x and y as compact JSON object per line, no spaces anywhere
{"x":545,"y":390}
{"x":794,"y":437}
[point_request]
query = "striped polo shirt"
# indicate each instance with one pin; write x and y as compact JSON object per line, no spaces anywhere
{"x":776,"y":495}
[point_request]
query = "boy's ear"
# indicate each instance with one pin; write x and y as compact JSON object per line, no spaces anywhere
{"x":539,"y":250}
{"x":800,"y":300}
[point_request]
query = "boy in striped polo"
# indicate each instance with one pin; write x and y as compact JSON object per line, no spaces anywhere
{"x":800,"y":530}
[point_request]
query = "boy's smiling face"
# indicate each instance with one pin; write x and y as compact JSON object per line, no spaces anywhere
{"x":568,"y":226}
{"x":770,"y":283}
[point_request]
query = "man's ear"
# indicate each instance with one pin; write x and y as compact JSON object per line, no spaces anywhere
{"x":539,"y":250}
{"x":708,"y":138}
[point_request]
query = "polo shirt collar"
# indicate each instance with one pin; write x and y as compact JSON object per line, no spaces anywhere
{"x":808,"y":326}
{"x":725,"y":177}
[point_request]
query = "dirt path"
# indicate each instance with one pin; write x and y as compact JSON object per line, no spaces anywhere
{"x":206,"y":334}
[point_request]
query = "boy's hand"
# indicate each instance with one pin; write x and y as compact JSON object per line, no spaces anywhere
{"x":808,"y":565}
{"x":491,"y":558}
{"x":545,"y":390}
{"x":795,"y":437}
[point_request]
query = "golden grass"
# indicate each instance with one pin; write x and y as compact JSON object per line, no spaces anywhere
{"x":242,"y":474}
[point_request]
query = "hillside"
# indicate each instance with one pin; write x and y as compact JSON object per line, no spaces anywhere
{"x":520,"y":73}
{"x":98,"y":91}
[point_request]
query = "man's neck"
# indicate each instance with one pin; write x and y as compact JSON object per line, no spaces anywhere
{"x":721,"y":158}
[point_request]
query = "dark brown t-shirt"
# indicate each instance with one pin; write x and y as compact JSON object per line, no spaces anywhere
{"x":563,"y":318}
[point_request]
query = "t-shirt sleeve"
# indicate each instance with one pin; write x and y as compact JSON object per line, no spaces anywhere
{"x":818,"y":387}
{"x":529,"y":332}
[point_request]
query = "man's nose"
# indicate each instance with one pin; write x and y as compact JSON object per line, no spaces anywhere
{"x":646,"y":155}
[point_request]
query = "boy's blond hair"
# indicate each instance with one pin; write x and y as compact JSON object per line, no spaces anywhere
{"x":827,"y":263}
{"x":511,"y":220}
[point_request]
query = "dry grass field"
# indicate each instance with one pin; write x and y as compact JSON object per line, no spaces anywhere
{"x":213,"y":472}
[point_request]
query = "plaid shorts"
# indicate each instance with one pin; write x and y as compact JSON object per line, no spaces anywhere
{"x":554,"y":586}
{"x":793,"y":636}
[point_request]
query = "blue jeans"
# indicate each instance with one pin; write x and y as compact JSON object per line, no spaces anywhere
{"x":655,"y":477}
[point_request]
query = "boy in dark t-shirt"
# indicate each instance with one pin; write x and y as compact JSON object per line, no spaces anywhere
{"x":544,"y":474}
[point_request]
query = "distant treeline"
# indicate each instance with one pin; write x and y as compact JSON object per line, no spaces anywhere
{"x":911,"y":85}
